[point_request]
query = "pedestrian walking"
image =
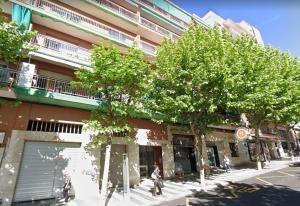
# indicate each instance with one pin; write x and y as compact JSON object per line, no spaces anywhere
{"x":226,"y":163}
{"x":157,"y":181}
{"x":66,"y":188}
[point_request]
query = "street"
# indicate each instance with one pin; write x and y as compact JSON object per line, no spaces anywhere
{"x":277,"y":188}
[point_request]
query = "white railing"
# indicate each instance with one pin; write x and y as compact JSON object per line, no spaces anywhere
{"x":122,"y":11}
{"x":159,"y":29}
{"x":62,"y":48}
{"x":154,"y":27}
{"x":147,"y":47}
{"x":152,"y":6}
{"x":174,"y":36}
{"x":60,"y":86}
{"x":79,"y":19}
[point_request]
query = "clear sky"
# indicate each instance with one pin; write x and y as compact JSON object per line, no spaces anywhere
{"x":277,"y":20}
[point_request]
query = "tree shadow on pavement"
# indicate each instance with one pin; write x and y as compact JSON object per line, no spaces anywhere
{"x":241,"y":194}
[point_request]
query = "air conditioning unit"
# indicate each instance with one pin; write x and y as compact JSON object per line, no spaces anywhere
{"x":2,"y":134}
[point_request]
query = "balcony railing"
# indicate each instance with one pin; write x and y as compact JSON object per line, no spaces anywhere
{"x":148,"y":47}
{"x":158,"y":29}
{"x":8,"y":76}
{"x":120,"y":10}
{"x":62,"y":48}
{"x":154,"y":27}
{"x":82,"y":20}
{"x":59,"y":86}
{"x":163,"y":12}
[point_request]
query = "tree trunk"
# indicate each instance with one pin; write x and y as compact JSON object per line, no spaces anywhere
{"x":199,"y":141}
{"x":258,"y":149}
{"x":103,"y":192}
{"x":290,"y":140}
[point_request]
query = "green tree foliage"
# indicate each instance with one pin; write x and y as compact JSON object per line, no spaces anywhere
{"x":264,"y":84}
{"x":14,"y":42}
{"x":121,"y":81}
{"x":14,"y":46}
{"x":189,"y":85}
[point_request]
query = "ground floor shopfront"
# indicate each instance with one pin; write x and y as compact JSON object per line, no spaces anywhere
{"x":43,"y":149}
{"x":36,"y":163}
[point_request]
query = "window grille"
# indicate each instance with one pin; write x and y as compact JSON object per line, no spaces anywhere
{"x":47,"y":126}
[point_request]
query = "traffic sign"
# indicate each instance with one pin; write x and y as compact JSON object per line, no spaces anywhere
{"x":241,"y":133}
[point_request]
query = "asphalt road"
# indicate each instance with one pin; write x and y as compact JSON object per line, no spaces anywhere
{"x":278,"y":188}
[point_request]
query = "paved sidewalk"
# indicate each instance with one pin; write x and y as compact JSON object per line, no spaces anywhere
{"x":177,"y":188}
{"x":174,"y":188}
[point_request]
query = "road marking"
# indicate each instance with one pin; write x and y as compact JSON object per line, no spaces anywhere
{"x":268,"y":183}
{"x":286,"y":173}
{"x":266,"y":177}
{"x":187,"y":202}
{"x":292,"y":170}
{"x":231,"y":189}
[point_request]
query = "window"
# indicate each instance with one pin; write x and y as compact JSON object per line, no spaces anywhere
{"x":234,"y":149}
{"x":43,"y":126}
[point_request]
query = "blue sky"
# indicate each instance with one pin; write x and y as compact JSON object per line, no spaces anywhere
{"x":277,"y":20}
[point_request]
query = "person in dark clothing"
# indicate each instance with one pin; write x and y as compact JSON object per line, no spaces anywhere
{"x":156,"y":180}
{"x":66,"y":189}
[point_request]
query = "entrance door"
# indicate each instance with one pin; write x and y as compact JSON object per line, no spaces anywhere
{"x":211,"y":157}
{"x":41,"y":174}
{"x":149,"y":157}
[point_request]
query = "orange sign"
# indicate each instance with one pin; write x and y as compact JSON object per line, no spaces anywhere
{"x":241,"y":133}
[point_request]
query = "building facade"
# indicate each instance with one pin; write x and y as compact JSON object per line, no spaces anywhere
{"x":236,"y":28}
{"x":42,"y":139}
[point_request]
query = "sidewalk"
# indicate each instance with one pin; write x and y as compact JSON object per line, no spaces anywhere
{"x":176,"y":188}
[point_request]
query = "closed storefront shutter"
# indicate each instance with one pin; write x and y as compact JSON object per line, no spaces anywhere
{"x":41,"y":175}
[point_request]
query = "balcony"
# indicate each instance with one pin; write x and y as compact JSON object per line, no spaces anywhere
{"x":46,"y":90}
{"x":164,"y":13}
{"x":8,"y":76}
{"x":59,"y":86}
{"x":62,"y":49}
{"x":79,"y":20}
{"x":160,"y":30}
{"x":147,"y":47}
{"x":118,"y":9}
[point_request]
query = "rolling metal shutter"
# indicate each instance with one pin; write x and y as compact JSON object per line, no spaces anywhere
{"x":41,"y":175}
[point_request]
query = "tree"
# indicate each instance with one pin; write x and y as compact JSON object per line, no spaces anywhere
{"x":263,"y":83}
{"x":288,"y":112}
{"x":121,"y":82}
{"x":14,"y":46}
{"x":189,"y":84}
{"x":14,"y":42}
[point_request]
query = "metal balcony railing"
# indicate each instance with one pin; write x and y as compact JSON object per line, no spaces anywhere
{"x":147,"y":47}
{"x":60,"y":86}
{"x":122,"y":11}
{"x":154,"y":27}
{"x":80,"y":19}
{"x":8,"y":76}
{"x":163,"y":12}
{"x":62,"y":48}
{"x":159,"y":29}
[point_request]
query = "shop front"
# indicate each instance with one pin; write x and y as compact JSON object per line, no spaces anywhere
{"x":184,"y":153}
{"x":150,"y":156}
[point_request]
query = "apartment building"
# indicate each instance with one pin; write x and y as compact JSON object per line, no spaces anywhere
{"x":42,"y":139}
{"x":236,"y":28}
